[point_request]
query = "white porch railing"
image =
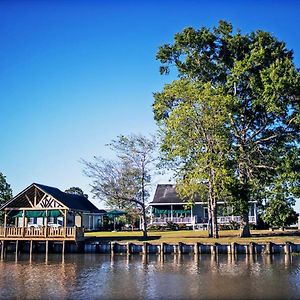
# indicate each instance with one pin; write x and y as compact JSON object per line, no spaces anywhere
{"x":41,"y":232}
{"x":236,"y":219}
{"x":192,"y":220}
{"x":164,"y":220}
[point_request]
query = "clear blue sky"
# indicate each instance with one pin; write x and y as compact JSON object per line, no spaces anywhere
{"x":75,"y":74}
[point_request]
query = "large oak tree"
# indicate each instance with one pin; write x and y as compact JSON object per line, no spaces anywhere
{"x":256,"y":74}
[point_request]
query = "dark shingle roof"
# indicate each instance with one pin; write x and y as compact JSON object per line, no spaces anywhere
{"x":72,"y":201}
{"x":165,"y":193}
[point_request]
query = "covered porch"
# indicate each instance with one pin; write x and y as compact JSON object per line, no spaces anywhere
{"x":41,"y":223}
{"x":161,"y":215}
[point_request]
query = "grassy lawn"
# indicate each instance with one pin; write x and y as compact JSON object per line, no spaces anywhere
{"x":190,"y":236}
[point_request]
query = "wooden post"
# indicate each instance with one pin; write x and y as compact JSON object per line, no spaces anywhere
{"x":251,"y":248}
{"x":5,"y":219}
{"x":65,"y":222}
{"x":46,"y":249}
{"x":30,"y":250}
{"x":128,"y":248}
{"x":196,"y":248}
{"x":46,"y":224}
{"x":233,"y":248}
{"x":179,"y":248}
{"x":23,"y":223}
{"x":17,"y":248}
{"x":213,"y":249}
{"x":145,"y":248}
{"x":2,"y":249}
{"x":162,"y":248}
{"x":287,"y":248}
{"x":268,"y":248}
{"x":63,"y":247}
{"x":112,"y":246}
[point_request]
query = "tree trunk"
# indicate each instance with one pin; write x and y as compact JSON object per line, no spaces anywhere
{"x":215,"y":233}
{"x":244,"y":227}
{"x":209,"y":225}
{"x":244,"y":197}
{"x":145,"y":223}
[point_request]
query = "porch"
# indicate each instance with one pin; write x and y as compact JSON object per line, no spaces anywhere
{"x":42,"y":233}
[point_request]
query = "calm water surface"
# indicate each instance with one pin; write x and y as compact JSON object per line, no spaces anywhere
{"x":92,"y":276}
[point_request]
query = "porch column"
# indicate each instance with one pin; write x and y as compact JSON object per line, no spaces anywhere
{"x":23,"y":222}
{"x":254,"y":206}
{"x":192,"y":217}
{"x":46,"y":225}
{"x":5,"y":217}
{"x":65,"y":222}
{"x":151,"y":215}
{"x":171,"y":213}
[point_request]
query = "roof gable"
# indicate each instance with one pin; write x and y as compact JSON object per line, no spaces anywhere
{"x":38,"y":191}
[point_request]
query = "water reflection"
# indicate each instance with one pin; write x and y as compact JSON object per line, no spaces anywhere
{"x":152,"y":277}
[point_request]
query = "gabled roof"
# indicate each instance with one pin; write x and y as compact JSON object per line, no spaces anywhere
{"x":71,"y":201}
{"x":166,"y":193}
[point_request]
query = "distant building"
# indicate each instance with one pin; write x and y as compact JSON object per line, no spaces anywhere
{"x":166,"y":206}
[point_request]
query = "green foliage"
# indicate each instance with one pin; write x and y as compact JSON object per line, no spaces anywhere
{"x":76,"y":191}
{"x":5,"y":190}
{"x":280,"y":213}
{"x":5,"y":193}
{"x":243,"y":91}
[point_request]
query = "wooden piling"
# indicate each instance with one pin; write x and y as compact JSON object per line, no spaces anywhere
{"x":213,"y":249}
{"x":162,"y":248}
{"x":30,"y":250}
{"x":268,"y":248}
{"x":251,"y":248}
{"x":63,"y":248}
{"x":233,"y":248}
{"x":17,"y":248}
{"x":179,"y":248}
{"x":112,"y":248}
{"x":196,"y":248}
{"x":128,"y":248}
{"x":145,"y":248}
{"x":2,"y":249}
{"x":287,"y":248}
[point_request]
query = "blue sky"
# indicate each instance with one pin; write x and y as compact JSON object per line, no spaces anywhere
{"x":75,"y":74}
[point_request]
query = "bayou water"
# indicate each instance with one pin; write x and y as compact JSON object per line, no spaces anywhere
{"x":94,"y":276}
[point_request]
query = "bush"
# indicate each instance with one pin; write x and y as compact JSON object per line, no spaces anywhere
{"x":172,"y":226}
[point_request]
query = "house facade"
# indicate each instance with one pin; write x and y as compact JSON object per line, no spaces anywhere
{"x":168,"y":207}
{"x":44,"y":206}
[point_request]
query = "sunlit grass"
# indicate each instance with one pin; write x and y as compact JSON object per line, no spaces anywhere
{"x":190,"y":236}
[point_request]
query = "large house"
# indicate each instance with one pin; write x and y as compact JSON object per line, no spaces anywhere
{"x":168,"y":207}
{"x":40,"y":205}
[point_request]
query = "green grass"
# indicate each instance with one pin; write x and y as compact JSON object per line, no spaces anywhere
{"x":190,"y":236}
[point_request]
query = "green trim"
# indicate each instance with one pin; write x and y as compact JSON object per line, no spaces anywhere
{"x":35,"y":213}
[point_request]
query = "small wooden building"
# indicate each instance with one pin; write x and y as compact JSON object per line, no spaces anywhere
{"x":41,"y":212}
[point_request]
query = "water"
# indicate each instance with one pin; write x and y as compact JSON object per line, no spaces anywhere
{"x":92,"y":276}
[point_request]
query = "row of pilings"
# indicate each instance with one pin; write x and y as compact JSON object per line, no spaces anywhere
{"x":146,"y":248}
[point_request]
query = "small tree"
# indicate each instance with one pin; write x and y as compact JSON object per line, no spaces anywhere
{"x":124,"y":182}
{"x":76,"y":191}
{"x":5,"y":193}
{"x":280,"y":213}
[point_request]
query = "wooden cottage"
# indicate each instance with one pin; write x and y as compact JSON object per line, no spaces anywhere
{"x":42,"y":212}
